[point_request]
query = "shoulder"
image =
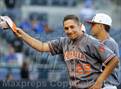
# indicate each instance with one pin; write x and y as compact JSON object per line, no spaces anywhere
{"x":60,"y":40}
{"x":91,"y":40}
{"x":111,"y":42}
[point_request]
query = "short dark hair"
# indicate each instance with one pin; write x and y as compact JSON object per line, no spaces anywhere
{"x":72,"y":17}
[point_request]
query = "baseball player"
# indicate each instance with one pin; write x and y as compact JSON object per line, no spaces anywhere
{"x":83,"y":54}
{"x":100,"y":27}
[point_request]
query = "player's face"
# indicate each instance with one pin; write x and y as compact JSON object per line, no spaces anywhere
{"x":72,"y":29}
{"x":95,"y":29}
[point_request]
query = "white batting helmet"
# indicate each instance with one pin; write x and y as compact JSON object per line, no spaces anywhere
{"x":102,"y":18}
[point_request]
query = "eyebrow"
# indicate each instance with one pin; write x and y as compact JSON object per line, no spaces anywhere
{"x":69,"y":26}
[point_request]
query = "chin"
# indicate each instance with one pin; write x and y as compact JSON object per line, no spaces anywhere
{"x":72,"y":37}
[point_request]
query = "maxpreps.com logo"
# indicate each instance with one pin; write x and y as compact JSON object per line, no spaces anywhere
{"x":69,"y":55}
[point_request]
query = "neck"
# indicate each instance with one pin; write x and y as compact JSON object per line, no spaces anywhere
{"x":80,"y":35}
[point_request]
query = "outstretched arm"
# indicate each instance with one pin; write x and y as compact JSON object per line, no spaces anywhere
{"x":6,"y":22}
{"x":34,"y":43}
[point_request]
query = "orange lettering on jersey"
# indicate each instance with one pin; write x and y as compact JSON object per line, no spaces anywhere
{"x":87,"y":68}
{"x":79,"y":69}
{"x":83,"y":69}
{"x":68,"y":55}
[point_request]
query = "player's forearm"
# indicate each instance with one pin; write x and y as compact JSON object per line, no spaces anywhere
{"x":36,"y":44}
{"x":108,"y":69}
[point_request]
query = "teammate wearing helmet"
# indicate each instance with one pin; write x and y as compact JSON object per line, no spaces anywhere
{"x":100,"y":27}
{"x":83,"y":54}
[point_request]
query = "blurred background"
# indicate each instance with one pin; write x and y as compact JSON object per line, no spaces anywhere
{"x":43,"y":19}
